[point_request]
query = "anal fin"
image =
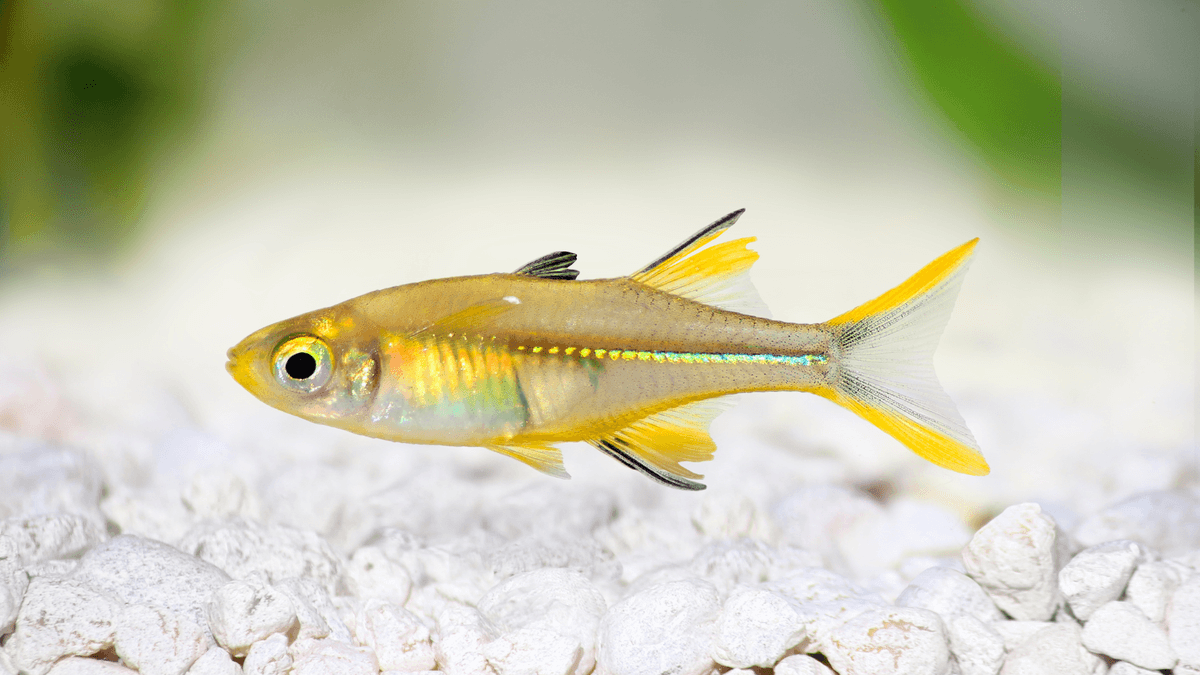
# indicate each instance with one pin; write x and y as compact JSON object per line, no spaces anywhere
{"x":655,"y":445}
{"x":543,"y":457}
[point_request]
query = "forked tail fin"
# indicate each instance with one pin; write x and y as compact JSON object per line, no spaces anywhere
{"x":884,"y":370}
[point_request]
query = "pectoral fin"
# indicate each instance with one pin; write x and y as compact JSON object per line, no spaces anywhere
{"x":470,"y":319}
{"x":544,"y":458}
{"x":655,"y":445}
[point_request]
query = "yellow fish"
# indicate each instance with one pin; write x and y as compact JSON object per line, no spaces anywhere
{"x":518,"y":362}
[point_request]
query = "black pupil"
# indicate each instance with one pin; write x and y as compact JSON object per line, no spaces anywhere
{"x":301,"y":366}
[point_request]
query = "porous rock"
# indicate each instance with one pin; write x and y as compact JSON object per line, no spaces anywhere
{"x":215,"y":661}
{"x":801,"y":664}
{"x":976,"y":646}
{"x":667,"y":627}
{"x":728,"y":563}
{"x":1167,"y":521}
{"x":75,"y":665}
{"x":1120,"y":630}
{"x":330,"y":657}
{"x":268,"y":657}
{"x":558,"y":600}
{"x":61,"y":617}
{"x":242,"y":548}
{"x":534,"y":651}
{"x":461,"y":635}
{"x":826,"y":601}
{"x":756,"y":628}
{"x":1054,"y":650}
{"x":243,"y":613}
{"x":1125,"y":668}
{"x":157,"y":641}
{"x":1183,"y":622}
{"x":12,"y":590}
{"x":141,"y":571}
{"x":43,"y":479}
{"x":1098,"y":574}
{"x":399,"y":639}
{"x":372,"y":574}
{"x":27,"y":540}
{"x":949,"y":593}
{"x":1151,"y":586}
{"x":886,"y":640}
{"x":1016,"y":558}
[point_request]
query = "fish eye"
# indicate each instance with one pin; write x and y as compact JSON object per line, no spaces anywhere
{"x":303,"y":364}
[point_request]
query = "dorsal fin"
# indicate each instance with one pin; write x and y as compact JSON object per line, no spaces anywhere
{"x":655,"y":445}
{"x":555,"y":265}
{"x":718,"y":275}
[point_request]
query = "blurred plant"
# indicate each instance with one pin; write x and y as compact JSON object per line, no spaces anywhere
{"x":1008,"y":106}
{"x":91,"y":95}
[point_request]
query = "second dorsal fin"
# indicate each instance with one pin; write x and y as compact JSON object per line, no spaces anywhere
{"x":555,"y":265}
{"x":715,"y":275}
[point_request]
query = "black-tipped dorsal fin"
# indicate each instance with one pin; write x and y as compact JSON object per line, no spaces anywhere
{"x":717,"y":275}
{"x":655,"y":445}
{"x":555,"y":265}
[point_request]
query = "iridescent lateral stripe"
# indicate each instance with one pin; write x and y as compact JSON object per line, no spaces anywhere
{"x":681,"y":357}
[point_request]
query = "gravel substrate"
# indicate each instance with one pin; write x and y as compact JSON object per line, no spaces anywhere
{"x":478,"y":568}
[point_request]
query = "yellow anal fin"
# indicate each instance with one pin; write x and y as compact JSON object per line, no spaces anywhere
{"x":717,"y":275}
{"x":470,"y":319}
{"x":655,"y":445}
{"x":543,"y":457}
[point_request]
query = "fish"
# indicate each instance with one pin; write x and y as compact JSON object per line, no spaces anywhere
{"x":636,"y":366}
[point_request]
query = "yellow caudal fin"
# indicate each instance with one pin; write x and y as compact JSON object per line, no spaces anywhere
{"x":718,"y":275}
{"x":655,"y":445}
{"x":885,"y":365}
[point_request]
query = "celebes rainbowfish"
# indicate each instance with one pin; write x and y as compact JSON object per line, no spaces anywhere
{"x":518,"y":362}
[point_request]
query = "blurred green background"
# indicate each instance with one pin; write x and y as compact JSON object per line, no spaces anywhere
{"x":107,"y":107}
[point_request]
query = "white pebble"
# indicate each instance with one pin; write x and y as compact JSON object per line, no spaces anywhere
{"x":1098,"y":575}
{"x":1015,"y":632}
{"x":158,"y":641}
{"x":534,"y":651}
{"x":242,"y":548}
{"x":1016,"y":558}
{"x":220,"y":493}
{"x":60,"y":617}
{"x":538,"y":551}
{"x":1120,"y":630}
{"x":977,"y":648}
{"x":756,"y":628}
{"x":49,"y":479}
{"x":215,"y":661}
{"x":663,"y":628}
{"x":461,"y":635}
{"x":399,"y":639}
{"x":330,"y":657}
{"x":1166,"y":521}
{"x":880,"y":540}
{"x":1125,"y":668}
{"x":371,"y":574}
{"x":1183,"y":622}
{"x":75,"y":665}
{"x":801,"y":664}
{"x":1053,"y":650}
{"x":560,"y":600}
{"x":268,"y":657}
{"x":815,"y":517}
{"x":13,"y":585}
{"x":886,"y":640}
{"x":33,"y":539}
{"x":949,"y":593}
{"x":312,"y":622}
{"x":729,"y":563}
{"x":141,"y":571}
{"x":242,"y":613}
{"x":826,"y":600}
{"x":1151,"y":586}
{"x":730,"y":516}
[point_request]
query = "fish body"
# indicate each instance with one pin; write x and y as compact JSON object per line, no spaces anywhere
{"x":521,"y":361}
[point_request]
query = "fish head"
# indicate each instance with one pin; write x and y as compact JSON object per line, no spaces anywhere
{"x":319,"y":366}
